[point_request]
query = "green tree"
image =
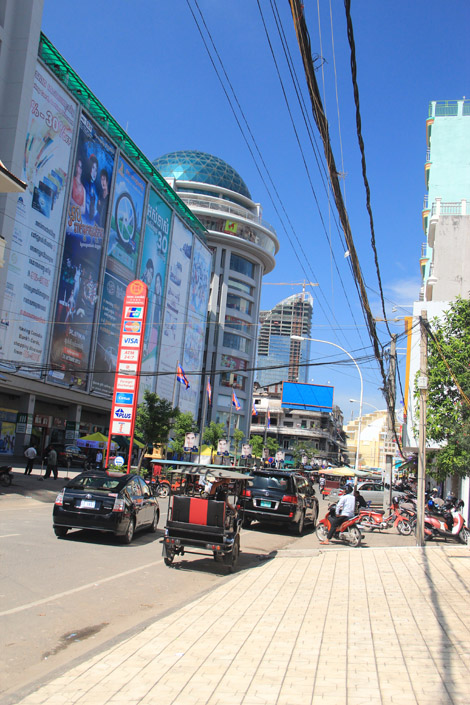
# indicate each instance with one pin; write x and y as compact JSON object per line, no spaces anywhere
{"x":238,"y":436}
{"x":257,"y":444}
{"x":154,"y":420}
{"x":448,"y":406}
{"x":212,"y":435}
{"x":300,"y":448}
{"x":184,"y":423}
{"x":272,"y":445}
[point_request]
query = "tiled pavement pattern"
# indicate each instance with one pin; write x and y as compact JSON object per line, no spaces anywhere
{"x":352,"y":626}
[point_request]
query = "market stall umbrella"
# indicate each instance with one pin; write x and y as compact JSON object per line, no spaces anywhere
{"x":95,"y":440}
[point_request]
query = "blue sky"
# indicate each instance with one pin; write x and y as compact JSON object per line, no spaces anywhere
{"x":145,"y":60}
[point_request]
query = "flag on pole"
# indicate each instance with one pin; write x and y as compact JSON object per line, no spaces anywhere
{"x":181,"y":377}
{"x":235,"y":401}
{"x":209,"y":391}
{"x":269,"y":418}
{"x":253,"y":411}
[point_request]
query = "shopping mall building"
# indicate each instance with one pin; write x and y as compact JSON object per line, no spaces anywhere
{"x":96,"y":214}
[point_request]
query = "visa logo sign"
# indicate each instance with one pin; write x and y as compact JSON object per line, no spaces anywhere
{"x":130,"y":341}
{"x":124,"y":398}
{"x":122,"y":414}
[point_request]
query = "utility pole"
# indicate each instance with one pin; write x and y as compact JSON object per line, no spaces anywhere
{"x":390,"y":423}
{"x":423,"y":393}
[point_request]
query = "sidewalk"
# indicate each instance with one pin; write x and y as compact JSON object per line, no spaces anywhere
{"x":335,"y":626}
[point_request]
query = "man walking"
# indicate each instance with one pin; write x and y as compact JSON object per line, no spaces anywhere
{"x":30,"y":454}
{"x":51,"y":464}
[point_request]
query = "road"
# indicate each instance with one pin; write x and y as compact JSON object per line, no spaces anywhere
{"x":62,"y":599}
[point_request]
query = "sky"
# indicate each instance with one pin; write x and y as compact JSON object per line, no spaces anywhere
{"x":148,"y":64}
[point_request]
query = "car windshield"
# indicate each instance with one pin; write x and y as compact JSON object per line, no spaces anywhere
{"x":97,"y":482}
{"x":271,"y":482}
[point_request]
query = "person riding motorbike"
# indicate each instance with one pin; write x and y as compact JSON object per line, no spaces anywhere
{"x":345,"y":509}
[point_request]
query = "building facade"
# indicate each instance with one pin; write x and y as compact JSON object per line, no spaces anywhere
{"x":280,"y":357}
{"x":321,"y":430}
{"x":244,"y":248}
{"x":94,"y":216}
{"x":375,"y":444}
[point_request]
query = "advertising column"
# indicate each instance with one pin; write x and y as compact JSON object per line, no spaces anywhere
{"x":126,"y":385}
{"x":26,"y":311}
{"x":79,"y":274}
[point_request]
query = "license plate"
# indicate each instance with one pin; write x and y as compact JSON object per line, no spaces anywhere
{"x":87,"y":504}
{"x":265,"y":503}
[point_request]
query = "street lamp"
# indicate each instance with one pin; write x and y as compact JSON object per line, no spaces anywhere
{"x":328,"y":342}
{"x":366,"y":403}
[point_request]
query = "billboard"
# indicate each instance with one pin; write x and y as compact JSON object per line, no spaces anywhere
{"x":174,"y":316}
{"x":114,"y":290}
{"x":33,"y":256}
{"x":126,"y":221}
{"x":84,"y":236}
{"x":196,"y":325}
{"x":153,"y":273}
{"x":307,"y":397}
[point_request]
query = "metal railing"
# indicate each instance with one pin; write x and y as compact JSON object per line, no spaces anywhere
{"x":450,"y":208}
{"x":219,"y":205}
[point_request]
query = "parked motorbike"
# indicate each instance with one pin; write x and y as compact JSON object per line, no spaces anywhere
{"x":372,"y":519}
{"x":6,"y":475}
{"x":348,"y":531}
{"x":158,"y":487}
{"x":448,"y":524}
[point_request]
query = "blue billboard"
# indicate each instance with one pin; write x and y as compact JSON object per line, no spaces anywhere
{"x":307,"y":397}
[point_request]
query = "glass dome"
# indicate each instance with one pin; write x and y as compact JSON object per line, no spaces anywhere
{"x":202,"y":167}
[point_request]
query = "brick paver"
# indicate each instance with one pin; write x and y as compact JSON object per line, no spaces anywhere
{"x":354,"y":626}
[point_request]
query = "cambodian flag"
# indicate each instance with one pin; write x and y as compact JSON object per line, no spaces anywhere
{"x":235,"y":401}
{"x":253,"y":411}
{"x":209,"y":391}
{"x":269,"y":418}
{"x":181,"y":377}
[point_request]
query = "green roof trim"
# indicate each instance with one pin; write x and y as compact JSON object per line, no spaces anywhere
{"x":67,"y":76}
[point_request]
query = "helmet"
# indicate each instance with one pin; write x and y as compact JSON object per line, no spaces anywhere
{"x":348,"y":489}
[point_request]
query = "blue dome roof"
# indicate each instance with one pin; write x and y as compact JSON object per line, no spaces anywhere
{"x":202,"y":167}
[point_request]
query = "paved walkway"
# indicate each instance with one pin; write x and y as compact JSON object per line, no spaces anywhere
{"x":336,"y":626}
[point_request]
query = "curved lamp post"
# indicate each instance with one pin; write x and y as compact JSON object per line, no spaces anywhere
{"x":358,"y":401}
{"x":359,"y":427}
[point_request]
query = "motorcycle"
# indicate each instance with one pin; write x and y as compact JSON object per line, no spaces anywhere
{"x":158,"y":487}
{"x":6,"y":475}
{"x":372,"y":519}
{"x":348,"y":531}
{"x":448,"y":524}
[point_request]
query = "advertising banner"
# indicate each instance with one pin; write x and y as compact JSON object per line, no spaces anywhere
{"x":114,"y":290}
{"x":126,"y":222}
{"x":174,"y":317}
{"x":191,"y":442}
{"x":126,"y":387}
{"x":34,"y":251}
{"x":153,"y":273}
{"x":84,"y":236}
{"x":196,"y":327}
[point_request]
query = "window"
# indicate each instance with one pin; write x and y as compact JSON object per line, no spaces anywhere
{"x":238,"y":304}
{"x":237,"y":324}
{"x":303,"y":424}
{"x":242,"y":265}
{"x":289,"y":424}
{"x":230,"y":379}
{"x":236,"y":342}
{"x":240,"y":286}
{"x":233,"y":363}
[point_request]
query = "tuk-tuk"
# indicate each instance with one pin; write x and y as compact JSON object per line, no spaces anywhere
{"x":205,"y":514}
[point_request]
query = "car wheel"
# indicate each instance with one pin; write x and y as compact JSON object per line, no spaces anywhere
{"x":322,"y":532}
{"x":154,"y":524}
{"x":299,"y":527}
{"x":5,"y":479}
{"x":315,"y":518}
{"x":129,"y":535}
{"x":60,"y":531}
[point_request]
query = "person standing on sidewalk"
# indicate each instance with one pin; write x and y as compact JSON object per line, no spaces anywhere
{"x":345,"y":509}
{"x":99,"y":460}
{"x":51,"y":464}
{"x":30,"y":455}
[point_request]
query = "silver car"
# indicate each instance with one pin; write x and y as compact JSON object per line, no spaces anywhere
{"x":373,"y":492}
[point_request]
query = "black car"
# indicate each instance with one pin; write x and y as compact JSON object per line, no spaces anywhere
{"x":67,"y":455}
{"x":121,"y":504}
{"x":277,"y":496}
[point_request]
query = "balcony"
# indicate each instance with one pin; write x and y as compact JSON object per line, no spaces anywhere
{"x":440,"y":209}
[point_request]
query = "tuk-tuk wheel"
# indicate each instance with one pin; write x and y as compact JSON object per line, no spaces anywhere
{"x":168,"y":555}
{"x":231,"y":559}
{"x":218,"y":557}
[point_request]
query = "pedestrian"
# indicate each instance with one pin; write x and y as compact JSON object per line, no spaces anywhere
{"x":99,"y":460}
{"x":30,"y":454}
{"x":51,"y":464}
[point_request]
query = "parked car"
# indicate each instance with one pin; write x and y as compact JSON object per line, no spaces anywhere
{"x":121,"y":504}
{"x":372,"y":492}
{"x":280,"y":497}
{"x":67,"y":455}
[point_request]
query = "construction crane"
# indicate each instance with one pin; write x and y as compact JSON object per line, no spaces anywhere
{"x":303,"y":284}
